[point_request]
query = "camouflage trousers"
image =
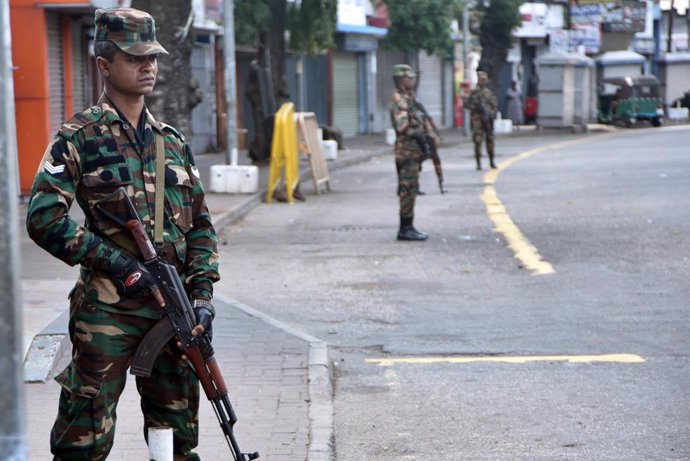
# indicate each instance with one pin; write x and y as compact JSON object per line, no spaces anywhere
{"x":103,"y":344}
{"x":478,"y":136}
{"x":408,"y":163}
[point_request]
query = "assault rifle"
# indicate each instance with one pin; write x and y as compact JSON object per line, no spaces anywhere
{"x":429,"y":145}
{"x":178,"y":322}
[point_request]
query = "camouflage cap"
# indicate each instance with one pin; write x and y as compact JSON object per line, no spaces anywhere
{"x":132,"y":31}
{"x":403,"y":70}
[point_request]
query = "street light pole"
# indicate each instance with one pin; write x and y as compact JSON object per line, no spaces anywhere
{"x":230,"y":82}
{"x":465,"y":70}
{"x":12,"y":430}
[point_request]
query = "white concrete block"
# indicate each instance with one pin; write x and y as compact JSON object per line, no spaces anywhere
{"x":330,"y":149}
{"x":677,"y":113}
{"x":390,"y":136}
{"x":234,"y":179}
{"x":503,"y":126}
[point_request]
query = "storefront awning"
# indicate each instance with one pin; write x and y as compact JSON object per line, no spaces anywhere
{"x":362,"y":30}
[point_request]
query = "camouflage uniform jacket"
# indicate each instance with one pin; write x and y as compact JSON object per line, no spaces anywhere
{"x":482,"y":101}
{"x":92,"y":155}
{"x":407,"y":120}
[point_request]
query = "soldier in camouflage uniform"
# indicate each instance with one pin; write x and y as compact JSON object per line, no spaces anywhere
{"x":483,"y":108}
{"x":108,"y":146}
{"x":409,"y":128}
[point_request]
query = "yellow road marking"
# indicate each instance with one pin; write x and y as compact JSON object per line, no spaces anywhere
{"x":618,"y":358}
{"x":522,"y":248}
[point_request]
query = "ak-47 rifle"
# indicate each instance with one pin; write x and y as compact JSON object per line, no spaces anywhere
{"x":178,"y":322}
{"x":429,"y":144}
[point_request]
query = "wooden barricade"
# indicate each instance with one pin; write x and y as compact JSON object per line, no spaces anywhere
{"x":284,"y":154}
{"x":310,"y":144}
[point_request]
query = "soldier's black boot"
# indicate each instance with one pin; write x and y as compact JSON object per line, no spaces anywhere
{"x":491,"y":160}
{"x":407,"y":231}
{"x":478,"y":157}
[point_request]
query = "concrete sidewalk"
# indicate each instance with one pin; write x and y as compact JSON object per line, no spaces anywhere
{"x":279,"y":379}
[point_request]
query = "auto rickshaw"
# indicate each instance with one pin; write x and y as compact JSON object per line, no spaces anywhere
{"x":629,"y":100}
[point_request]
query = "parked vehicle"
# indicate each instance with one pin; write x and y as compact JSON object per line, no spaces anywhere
{"x":630,"y":100}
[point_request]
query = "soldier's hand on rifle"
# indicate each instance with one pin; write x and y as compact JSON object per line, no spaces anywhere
{"x":130,"y":277}
{"x":204,"y":312}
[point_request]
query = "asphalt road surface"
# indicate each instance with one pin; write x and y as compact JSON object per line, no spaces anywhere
{"x":546,"y":318}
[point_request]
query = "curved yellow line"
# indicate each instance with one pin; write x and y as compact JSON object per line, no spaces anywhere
{"x":522,"y":248}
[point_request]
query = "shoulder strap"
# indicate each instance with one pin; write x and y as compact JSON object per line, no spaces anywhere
{"x":160,"y":189}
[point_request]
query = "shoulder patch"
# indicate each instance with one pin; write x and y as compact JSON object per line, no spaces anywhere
{"x":168,"y":128}
{"x":79,"y":121}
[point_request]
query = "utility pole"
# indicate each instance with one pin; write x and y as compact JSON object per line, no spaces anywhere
{"x":669,"y":38}
{"x":465,"y":64}
{"x":230,"y":82}
{"x":12,"y":428}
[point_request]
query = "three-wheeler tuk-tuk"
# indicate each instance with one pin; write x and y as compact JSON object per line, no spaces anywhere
{"x":629,"y":100}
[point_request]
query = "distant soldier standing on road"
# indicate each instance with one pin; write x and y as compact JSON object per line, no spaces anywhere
{"x":483,"y":108}
{"x":116,"y":144}
{"x":409,"y":128}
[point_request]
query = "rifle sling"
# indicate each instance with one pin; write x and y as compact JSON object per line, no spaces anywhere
{"x":160,"y":190}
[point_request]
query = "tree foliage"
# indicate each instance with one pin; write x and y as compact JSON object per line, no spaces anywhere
{"x":312,"y":25}
{"x":421,"y":25}
{"x":251,"y":17}
{"x":498,"y":20}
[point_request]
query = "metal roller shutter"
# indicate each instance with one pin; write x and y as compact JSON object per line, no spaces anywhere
{"x":79,"y":71}
{"x":345,"y":93}
{"x":448,"y":95}
{"x":55,"y":71}
{"x":430,"y":89}
{"x":385,"y":60}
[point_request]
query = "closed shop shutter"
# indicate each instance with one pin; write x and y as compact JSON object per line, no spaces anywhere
{"x":385,"y":60}
{"x":79,"y":68}
{"x":363,"y":78}
{"x":345,"y":93}
{"x":315,"y":69}
{"x":430,"y":88}
{"x":55,"y":71}
{"x":203,"y":135}
{"x":448,"y":95}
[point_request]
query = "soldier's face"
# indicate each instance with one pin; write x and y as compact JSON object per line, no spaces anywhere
{"x":407,"y":83}
{"x":129,"y":74}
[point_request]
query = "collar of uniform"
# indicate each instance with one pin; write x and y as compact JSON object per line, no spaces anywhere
{"x":158,"y":126}
{"x":112,"y":115}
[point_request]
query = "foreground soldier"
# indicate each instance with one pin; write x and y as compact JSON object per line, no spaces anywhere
{"x":409,"y":128}
{"x":109,"y":146}
{"x":483,"y":108}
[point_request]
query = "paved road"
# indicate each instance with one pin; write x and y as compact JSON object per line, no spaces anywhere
{"x":610,"y":216}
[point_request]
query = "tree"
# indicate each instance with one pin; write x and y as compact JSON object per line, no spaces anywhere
{"x":262,"y":23}
{"x":177,"y":90}
{"x":421,"y":25}
{"x":498,"y":20}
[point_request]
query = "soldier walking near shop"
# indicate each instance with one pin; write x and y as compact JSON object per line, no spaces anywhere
{"x":409,"y":128}
{"x":114,"y":145}
{"x":483,"y":108}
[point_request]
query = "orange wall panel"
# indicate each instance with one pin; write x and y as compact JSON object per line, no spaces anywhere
{"x":29,"y":52}
{"x":32,"y":140}
{"x":31,"y":89}
{"x":14,"y":3}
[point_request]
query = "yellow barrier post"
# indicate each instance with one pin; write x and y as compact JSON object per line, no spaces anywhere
{"x":284,"y":159}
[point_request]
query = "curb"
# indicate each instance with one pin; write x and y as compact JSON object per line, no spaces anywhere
{"x":320,"y":383}
{"x":47,"y":350}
